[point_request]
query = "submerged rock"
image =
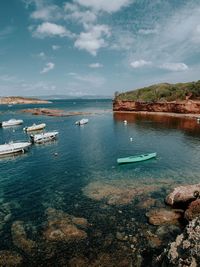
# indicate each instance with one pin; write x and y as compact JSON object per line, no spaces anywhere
{"x":164,"y":216}
{"x":183,"y":194}
{"x":185,"y":250}
{"x":119,"y":192}
{"x":193,"y":210}
{"x":20,"y":238}
{"x":10,"y":259}
{"x":64,"y":227}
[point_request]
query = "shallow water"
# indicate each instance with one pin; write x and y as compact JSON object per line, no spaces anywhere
{"x":76,"y":181}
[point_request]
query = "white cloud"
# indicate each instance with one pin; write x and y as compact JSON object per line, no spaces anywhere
{"x":47,"y":13}
{"x":49,"y":66}
{"x":5,"y":32}
{"x":105,"y":5}
{"x":95,"y":65}
{"x":93,"y":39}
{"x":47,"y":29}
{"x":41,"y":55}
{"x":140,"y":63}
{"x":122,"y":40}
{"x":148,"y":31}
{"x":174,"y":66}
{"x":55,"y":47}
{"x":74,"y":12}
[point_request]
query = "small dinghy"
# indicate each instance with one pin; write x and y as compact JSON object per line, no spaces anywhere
{"x":11,"y":122}
{"x":13,"y":148}
{"x":43,"y":137}
{"x":81,"y":122}
{"x":138,"y":158}
{"x":35,"y":127}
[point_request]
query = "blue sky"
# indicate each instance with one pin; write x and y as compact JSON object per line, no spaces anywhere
{"x":96,"y":47}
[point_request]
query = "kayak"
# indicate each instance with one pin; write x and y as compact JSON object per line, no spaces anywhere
{"x":138,"y":158}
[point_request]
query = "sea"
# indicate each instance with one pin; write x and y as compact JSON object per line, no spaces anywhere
{"x":68,"y":202}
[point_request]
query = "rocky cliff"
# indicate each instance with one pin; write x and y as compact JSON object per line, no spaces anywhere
{"x":186,"y":106}
{"x":12,"y":100}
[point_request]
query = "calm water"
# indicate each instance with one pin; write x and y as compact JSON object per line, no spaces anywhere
{"x":86,"y":163}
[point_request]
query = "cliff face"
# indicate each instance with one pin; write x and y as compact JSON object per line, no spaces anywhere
{"x":187,"y":106}
{"x":21,"y":100}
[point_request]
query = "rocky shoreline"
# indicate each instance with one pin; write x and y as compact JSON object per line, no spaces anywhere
{"x":188,"y":108}
{"x":13,"y":100}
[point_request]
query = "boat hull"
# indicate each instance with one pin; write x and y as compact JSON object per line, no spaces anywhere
{"x":44,"y":138}
{"x":13,"y":148}
{"x":35,"y":127}
{"x":134,"y":159}
{"x":11,"y":123}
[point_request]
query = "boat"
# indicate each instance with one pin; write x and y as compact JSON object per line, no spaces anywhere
{"x":138,"y":158}
{"x":81,"y":122}
{"x":35,"y":127}
{"x":13,"y":148}
{"x":43,"y":137}
{"x":11,"y":122}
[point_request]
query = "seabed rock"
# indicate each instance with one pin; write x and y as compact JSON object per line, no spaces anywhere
{"x":164,"y":216}
{"x":20,"y":238}
{"x":119,"y":192}
{"x":10,"y":259}
{"x":64,"y":227}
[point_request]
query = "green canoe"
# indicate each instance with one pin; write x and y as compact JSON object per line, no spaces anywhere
{"x":136,"y":158}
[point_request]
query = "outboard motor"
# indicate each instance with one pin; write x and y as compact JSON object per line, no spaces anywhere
{"x":0,"y":124}
{"x":32,"y":138}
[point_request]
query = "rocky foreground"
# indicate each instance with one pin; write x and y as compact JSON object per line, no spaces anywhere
{"x":12,"y":100}
{"x":170,"y":238}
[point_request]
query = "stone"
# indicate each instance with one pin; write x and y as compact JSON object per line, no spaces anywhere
{"x":185,"y":250}
{"x":164,"y":216}
{"x":20,"y":238}
{"x":193,"y":210}
{"x":64,"y":227}
{"x":183,"y":194}
{"x":10,"y":259}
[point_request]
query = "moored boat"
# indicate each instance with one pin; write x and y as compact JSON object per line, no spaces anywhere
{"x":81,"y":122}
{"x":35,"y":127}
{"x":43,"y":137}
{"x":137,"y":158}
{"x":13,"y":148}
{"x":11,"y":122}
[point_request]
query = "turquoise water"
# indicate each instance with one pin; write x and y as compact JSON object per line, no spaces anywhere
{"x":85,"y":163}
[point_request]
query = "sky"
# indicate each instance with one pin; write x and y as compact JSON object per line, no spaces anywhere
{"x":96,"y":47}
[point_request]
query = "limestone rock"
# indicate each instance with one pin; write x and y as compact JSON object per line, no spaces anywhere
{"x":64,"y":227}
{"x":193,"y":210}
{"x":164,"y":216}
{"x":183,"y":194}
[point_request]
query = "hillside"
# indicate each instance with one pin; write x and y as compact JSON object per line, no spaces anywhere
{"x":163,"y":92}
{"x":21,"y":100}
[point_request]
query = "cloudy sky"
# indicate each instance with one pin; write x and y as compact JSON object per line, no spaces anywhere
{"x":96,"y":47}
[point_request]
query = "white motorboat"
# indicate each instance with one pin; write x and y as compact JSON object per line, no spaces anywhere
{"x":13,"y":148}
{"x":43,"y":137}
{"x":11,"y":122}
{"x":35,"y":127}
{"x":81,"y":122}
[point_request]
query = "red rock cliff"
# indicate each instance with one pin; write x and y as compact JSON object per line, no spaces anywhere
{"x":187,"y":106}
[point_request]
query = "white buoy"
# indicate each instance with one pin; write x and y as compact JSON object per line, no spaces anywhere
{"x":125,"y":122}
{"x":131,"y":139}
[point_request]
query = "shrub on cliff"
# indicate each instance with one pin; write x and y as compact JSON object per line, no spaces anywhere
{"x":163,"y":92}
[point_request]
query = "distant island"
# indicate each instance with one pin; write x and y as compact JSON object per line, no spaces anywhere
{"x":12,"y":100}
{"x":169,"y":98}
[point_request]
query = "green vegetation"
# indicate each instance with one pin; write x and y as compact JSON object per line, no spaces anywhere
{"x":163,"y":92}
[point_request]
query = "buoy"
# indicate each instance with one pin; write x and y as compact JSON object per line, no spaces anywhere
{"x":56,"y":154}
{"x":131,"y":139}
{"x":125,"y":121}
